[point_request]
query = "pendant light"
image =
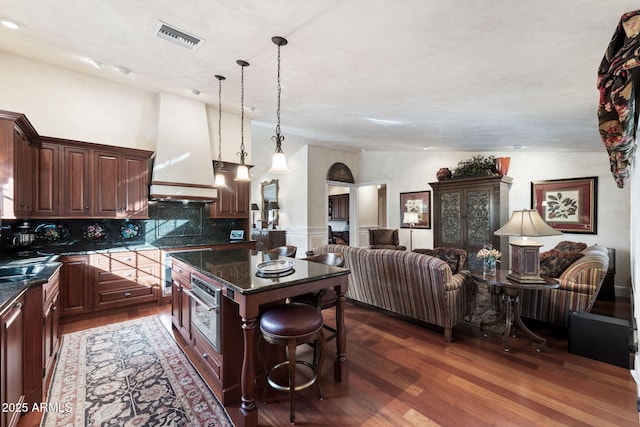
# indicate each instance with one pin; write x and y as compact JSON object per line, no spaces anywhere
{"x":242,"y":172}
{"x":279,"y":161}
{"x":219,"y":180}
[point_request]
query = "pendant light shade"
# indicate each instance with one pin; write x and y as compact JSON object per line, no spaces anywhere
{"x":242,"y":172}
{"x":279,"y":161}
{"x":219,"y":180}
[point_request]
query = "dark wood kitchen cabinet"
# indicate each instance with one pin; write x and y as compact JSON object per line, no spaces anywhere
{"x":180,"y":300}
{"x":121,"y":185}
{"x":268,"y":239}
{"x":233,"y":200}
{"x":16,"y":165}
{"x":46,"y":196}
{"x":41,"y":337}
{"x":339,"y":207}
{"x":11,"y":368}
{"x":123,"y":279}
{"x":466,"y":212}
{"x":76,"y":181}
{"x":75,"y":286}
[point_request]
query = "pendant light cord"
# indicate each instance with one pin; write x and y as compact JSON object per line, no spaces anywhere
{"x":278,"y":138}
{"x":242,"y":153}
{"x":220,"y":164}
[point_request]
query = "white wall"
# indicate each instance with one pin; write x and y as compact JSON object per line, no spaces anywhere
{"x":412,"y":171}
{"x":70,"y":105}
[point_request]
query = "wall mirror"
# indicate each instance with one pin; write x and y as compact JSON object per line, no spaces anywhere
{"x":269,"y":191}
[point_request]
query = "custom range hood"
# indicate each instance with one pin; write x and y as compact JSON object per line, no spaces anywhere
{"x":182,"y":166}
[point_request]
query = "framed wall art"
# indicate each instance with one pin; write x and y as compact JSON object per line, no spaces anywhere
{"x":569,"y":205}
{"x":418,"y":202}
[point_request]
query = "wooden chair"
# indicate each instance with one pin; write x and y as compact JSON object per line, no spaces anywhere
{"x":288,"y":251}
{"x":325,"y":298}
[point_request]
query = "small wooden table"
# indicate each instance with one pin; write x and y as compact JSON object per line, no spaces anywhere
{"x":511,"y":299}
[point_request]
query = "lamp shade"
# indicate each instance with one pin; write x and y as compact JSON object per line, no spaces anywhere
{"x":254,"y":207}
{"x":279,"y":163}
{"x":410,"y":218}
{"x":242,"y":173}
{"x":526,"y":223}
{"x":273,"y":205}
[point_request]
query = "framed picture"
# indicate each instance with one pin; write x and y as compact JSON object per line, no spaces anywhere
{"x":416,"y":202}
{"x":569,"y":205}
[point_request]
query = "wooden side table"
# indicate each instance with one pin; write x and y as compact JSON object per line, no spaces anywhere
{"x":511,"y":298}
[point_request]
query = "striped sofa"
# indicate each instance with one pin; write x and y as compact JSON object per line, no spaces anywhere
{"x":407,"y":283}
{"x":579,"y":286}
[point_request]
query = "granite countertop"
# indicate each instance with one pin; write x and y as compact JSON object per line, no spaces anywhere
{"x":237,"y":269}
{"x":11,"y":290}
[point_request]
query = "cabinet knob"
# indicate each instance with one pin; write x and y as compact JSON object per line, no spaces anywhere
{"x":54,"y":308}
{"x":127,"y":294}
{"x":87,"y":207}
{"x":17,"y":304}
{"x":128,"y":259}
{"x":205,"y":356}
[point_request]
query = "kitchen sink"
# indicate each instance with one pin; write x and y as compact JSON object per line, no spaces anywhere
{"x":19,"y":273}
{"x":16,"y":278}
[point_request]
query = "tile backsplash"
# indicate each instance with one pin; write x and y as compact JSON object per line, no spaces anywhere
{"x":170,"y":224}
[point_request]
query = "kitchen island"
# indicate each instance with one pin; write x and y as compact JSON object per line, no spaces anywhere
{"x":241,"y":291}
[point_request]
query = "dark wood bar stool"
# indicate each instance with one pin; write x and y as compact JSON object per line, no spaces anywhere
{"x":290,"y":325}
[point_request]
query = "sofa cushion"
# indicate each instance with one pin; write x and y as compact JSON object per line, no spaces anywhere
{"x":554,"y":262}
{"x":567,"y":246}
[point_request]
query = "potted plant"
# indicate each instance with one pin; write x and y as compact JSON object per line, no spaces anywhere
{"x":477,"y":165}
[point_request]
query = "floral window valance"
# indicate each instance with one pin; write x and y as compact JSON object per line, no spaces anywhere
{"x":619,"y":87}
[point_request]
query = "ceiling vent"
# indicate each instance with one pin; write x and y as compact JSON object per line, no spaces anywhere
{"x":167,"y":32}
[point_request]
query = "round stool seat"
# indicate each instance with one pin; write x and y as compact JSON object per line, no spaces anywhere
{"x":294,"y":320}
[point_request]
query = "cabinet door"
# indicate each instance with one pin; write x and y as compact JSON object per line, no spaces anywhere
{"x":135,"y":188}
{"x":243,"y":190}
{"x":77,"y":181}
{"x":74,"y":287}
{"x":51,"y":334}
{"x":106,"y":192}
{"x":449,"y":219}
{"x":23,"y":175}
{"x":12,"y":389}
{"x":46,"y":201}
{"x":232,"y":201}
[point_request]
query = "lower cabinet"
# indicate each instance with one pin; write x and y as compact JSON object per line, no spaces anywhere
{"x":268,"y":239}
{"x":180,"y":300}
{"x":11,"y":368}
{"x":41,"y":337}
{"x":110,"y":280}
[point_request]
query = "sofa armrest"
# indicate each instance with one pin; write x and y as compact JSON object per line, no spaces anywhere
{"x":458,"y":280}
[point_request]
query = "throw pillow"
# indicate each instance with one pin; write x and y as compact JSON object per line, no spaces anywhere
{"x":451,"y":259}
{"x":554,"y":262}
{"x":567,"y":246}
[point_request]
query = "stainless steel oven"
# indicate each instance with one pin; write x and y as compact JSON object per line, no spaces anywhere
{"x":205,"y":310}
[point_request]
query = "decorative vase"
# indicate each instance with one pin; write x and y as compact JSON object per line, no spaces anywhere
{"x":489,"y":267}
{"x":443,"y":173}
{"x":501,"y":165}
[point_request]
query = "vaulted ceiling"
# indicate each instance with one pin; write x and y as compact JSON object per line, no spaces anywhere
{"x":356,"y":74}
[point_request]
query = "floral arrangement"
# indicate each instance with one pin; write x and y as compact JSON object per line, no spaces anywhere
{"x":489,"y":254}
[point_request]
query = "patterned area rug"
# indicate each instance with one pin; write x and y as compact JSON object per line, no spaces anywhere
{"x":129,"y":374}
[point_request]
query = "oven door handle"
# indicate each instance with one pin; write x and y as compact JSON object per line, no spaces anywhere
{"x":199,"y":301}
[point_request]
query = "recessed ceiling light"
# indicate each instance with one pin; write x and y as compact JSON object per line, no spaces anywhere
{"x":95,"y":63}
{"x":195,"y":91}
{"x":425,"y":148}
{"x":517,"y":147}
{"x":123,"y":70}
{"x":249,"y":108}
{"x":384,"y":122}
{"x":10,"y":23}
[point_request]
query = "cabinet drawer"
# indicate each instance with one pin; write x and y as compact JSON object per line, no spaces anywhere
{"x":148,"y":257}
{"x":181,"y":273}
{"x":110,"y":276}
{"x":50,"y":289}
{"x":123,"y":260}
{"x":206,"y":353}
{"x":101,"y":261}
{"x":125,"y":296}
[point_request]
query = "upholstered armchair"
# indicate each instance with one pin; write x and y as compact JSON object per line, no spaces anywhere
{"x":385,"y":239}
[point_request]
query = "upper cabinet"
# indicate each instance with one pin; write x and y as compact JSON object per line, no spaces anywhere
{"x":233,"y":200}
{"x":339,"y":207}
{"x":45,"y":177}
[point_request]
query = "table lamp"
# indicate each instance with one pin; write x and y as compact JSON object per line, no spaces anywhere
{"x":273,"y":206}
{"x":410,"y":218}
{"x":254,"y":208}
{"x":525,"y":254}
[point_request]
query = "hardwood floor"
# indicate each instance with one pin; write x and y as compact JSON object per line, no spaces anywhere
{"x":403,"y":374}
